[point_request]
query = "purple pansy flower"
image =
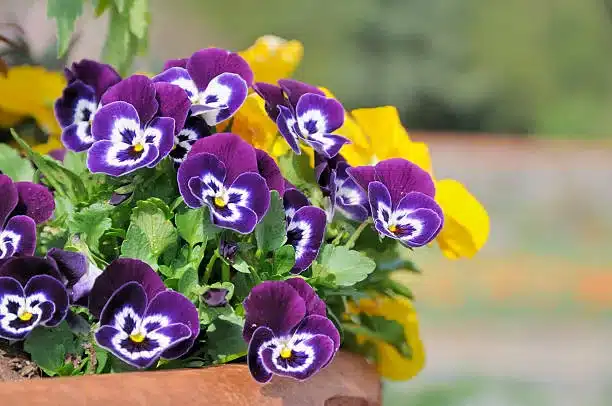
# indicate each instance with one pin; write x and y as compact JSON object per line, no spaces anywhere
{"x":140,"y":320}
{"x":341,"y":190}
{"x":215,"y":297}
{"x":401,"y":199}
{"x":135,"y":126}
{"x":30,"y":295}
{"x":75,"y":110}
{"x":77,"y":274}
{"x":302,"y":112}
{"x":287,"y":330}
{"x":195,"y":129}
{"x":270,"y":171}
{"x":305,"y":228}
{"x":216,"y":81}
{"x":221,"y":172}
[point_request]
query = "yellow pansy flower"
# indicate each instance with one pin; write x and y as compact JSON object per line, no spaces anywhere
{"x":390,"y":363}
{"x":272,"y":58}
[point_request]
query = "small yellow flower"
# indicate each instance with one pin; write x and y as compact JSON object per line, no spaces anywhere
{"x":390,"y":363}
{"x":272,"y":58}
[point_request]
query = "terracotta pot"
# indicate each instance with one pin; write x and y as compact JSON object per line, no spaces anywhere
{"x":348,"y":381}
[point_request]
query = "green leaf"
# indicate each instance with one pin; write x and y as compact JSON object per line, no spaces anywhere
{"x":225,"y":338}
{"x":65,"y":13}
{"x":76,"y":162}
{"x":284,"y":259}
{"x":271,"y":232}
{"x":188,"y":283}
{"x":347,"y":266}
{"x":139,"y":17}
{"x":136,"y":245}
{"x":119,"y":41}
{"x":48,"y":347}
{"x":90,"y":223}
{"x":390,"y":331}
{"x":297,"y":169}
{"x":190,"y":225}
{"x":101,"y":358}
{"x":100,"y":6}
{"x":14,"y":166}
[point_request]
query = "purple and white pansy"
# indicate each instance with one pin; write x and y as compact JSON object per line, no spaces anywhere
{"x":401,"y":200}
{"x":302,"y":112}
{"x":215,"y":80}
{"x":305,"y":228}
{"x":31,"y":295}
{"x":140,"y":320}
{"x":76,"y":273}
{"x":195,"y":129}
{"x":340,"y":189}
{"x":135,"y":126}
{"x":287,"y":330}
{"x":221,"y":172}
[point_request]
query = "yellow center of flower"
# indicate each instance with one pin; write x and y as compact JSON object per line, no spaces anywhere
{"x":138,"y":147}
{"x":220,"y":201}
{"x":285,"y":353}
{"x":138,"y":337}
{"x":393,"y":228}
{"x":25,"y":316}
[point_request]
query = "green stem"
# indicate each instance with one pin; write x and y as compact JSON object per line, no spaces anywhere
{"x":210,"y":266}
{"x":225,"y":271}
{"x":351,"y":242}
{"x":255,"y":275}
{"x":338,"y":238}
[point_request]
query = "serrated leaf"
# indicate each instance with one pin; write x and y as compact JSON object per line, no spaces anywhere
{"x":188,"y":283}
{"x":48,"y":347}
{"x":90,"y":223}
{"x":65,"y":13}
{"x":139,"y":17}
{"x":284,"y":259}
{"x":190,"y":225}
{"x":271,"y":232}
{"x":13,"y":165}
{"x":225,"y":338}
{"x":347,"y":266}
{"x":136,"y":245}
{"x":297,"y":169}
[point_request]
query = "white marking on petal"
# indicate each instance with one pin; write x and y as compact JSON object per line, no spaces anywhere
{"x":82,"y":133}
{"x":25,"y":306}
{"x":295,"y":343}
{"x":112,"y":158}
{"x":123,"y":315}
{"x":121,"y":125}
{"x":9,"y":243}
{"x":84,"y":111}
{"x":302,"y":243}
{"x":188,"y":85}
{"x":383,"y":209}
{"x":312,"y":116}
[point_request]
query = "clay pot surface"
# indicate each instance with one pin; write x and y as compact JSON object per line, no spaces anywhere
{"x":348,"y":381}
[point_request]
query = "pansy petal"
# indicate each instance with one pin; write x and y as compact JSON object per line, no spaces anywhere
{"x":380,"y":202}
{"x":35,"y":201}
{"x":181,"y":339}
{"x":273,"y":304}
{"x":160,"y":133}
{"x":326,"y":114}
{"x":25,"y":268}
{"x":131,"y":295}
{"x":175,"y":63}
{"x":254,"y":193}
{"x":293,"y":200}
{"x":77,"y":137}
{"x":173,"y":103}
{"x":119,"y":159}
{"x":238,"y":218}
{"x":12,"y":298}
{"x":237,"y":155}
{"x":382,"y":229}
{"x":137,"y":90}
{"x":215,"y":297}
{"x":99,"y":76}
{"x":260,"y":337}
{"x":178,"y":309}
{"x":353,"y":212}
{"x":401,"y":177}
{"x":320,"y":324}
{"x":206,"y":64}
{"x":81,"y":289}
{"x":416,"y":200}
{"x":204,"y":167}
{"x":72,"y":265}
{"x":53,"y":291}
{"x":423,"y":226}
{"x":295,"y":90}
{"x":305,"y":233}
{"x":178,"y":76}
{"x":362,"y":175}
{"x":273,"y":97}
{"x":195,"y":128}
{"x":327,"y":144}
{"x":314,"y":304}
{"x":20,"y":233}
{"x":286,"y":125}
{"x":226,"y":92}
{"x":268,"y":168}
{"x":118,"y":273}
{"x":117,"y":122}
{"x":76,"y":97}
{"x":10,"y":197}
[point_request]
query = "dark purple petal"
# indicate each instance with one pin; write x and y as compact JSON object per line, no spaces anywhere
{"x":137,"y":90}
{"x":319,"y":324}
{"x":273,"y":304}
{"x":314,"y":304}
{"x":72,"y":265}
{"x":179,"y":77}
{"x":286,"y":123}
{"x":181,"y":339}
{"x":35,"y":201}
{"x":273,"y":97}
{"x":173,"y":102}
{"x":117,"y":274}
{"x":197,"y":168}
{"x":25,"y":268}
{"x":419,"y":227}
{"x":270,"y":171}
{"x":58,"y":154}
{"x":353,"y":212}
{"x":222,"y":98}
{"x":110,"y":123}
{"x":324,"y":166}
{"x":293,"y":200}
{"x":237,"y":155}
{"x":195,"y":129}
{"x":295,"y":90}
{"x":238,"y":218}
{"x":25,"y":228}
{"x":305,"y":233}
{"x":260,"y":337}
{"x":119,"y":159}
{"x":160,"y":133}
{"x":10,"y":197}
{"x":77,"y":137}
{"x":77,"y":104}
{"x":362,"y":175}
{"x":330,"y":112}
{"x":176,"y":63}
{"x":178,"y":309}
{"x":98,"y":75}
{"x":380,"y":202}
{"x":206,"y":64}
{"x":327,"y":144}
{"x":254,"y":193}
{"x":416,"y":200}
{"x":401,"y":176}
{"x":116,"y":199}
{"x":215,"y":297}
{"x":130,"y":295}
{"x":55,"y":292}
{"x":10,"y":286}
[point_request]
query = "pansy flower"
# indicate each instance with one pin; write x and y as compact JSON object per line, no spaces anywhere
{"x":195,"y":128}
{"x":302,"y":112}
{"x":217,"y":82}
{"x":135,"y":126}
{"x":341,"y":190}
{"x":140,"y":320}
{"x":23,"y":205}
{"x":30,"y":295}
{"x":77,"y":274}
{"x":221,"y":172}
{"x":287,"y":331}
{"x":305,"y":228}
{"x":401,"y":199}
{"x":75,"y":110}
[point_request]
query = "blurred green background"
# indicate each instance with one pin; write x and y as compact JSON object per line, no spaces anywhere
{"x":527,"y":321}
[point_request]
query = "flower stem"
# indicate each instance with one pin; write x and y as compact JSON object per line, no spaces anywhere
{"x":210,"y":266}
{"x":351,"y":242}
{"x":225,"y":271}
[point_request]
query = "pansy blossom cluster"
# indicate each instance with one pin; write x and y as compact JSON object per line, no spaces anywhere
{"x":173,"y":233}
